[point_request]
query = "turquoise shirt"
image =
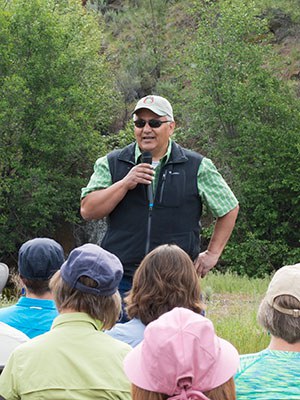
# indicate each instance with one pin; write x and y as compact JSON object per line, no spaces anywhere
{"x":75,"y":360}
{"x":269,"y":375}
{"x":212,"y":188}
{"x":30,"y":316}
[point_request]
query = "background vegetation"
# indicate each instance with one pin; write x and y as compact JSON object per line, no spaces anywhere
{"x":232,"y":303}
{"x":71,"y":72}
{"x":56,"y":98}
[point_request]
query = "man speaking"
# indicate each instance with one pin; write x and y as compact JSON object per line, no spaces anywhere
{"x":152,"y":192}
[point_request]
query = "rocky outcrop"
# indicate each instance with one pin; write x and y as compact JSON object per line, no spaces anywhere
{"x":281,"y":24}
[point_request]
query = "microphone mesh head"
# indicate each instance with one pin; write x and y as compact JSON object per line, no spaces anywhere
{"x":147,"y":157}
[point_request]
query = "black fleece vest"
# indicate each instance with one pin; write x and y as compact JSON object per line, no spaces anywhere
{"x":175,"y":217}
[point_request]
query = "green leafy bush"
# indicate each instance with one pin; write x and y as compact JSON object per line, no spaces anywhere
{"x":56,"y":99}
{"x":250,"y":121}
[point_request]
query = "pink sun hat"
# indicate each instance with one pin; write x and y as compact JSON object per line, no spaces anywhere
{"x":181,"y":356}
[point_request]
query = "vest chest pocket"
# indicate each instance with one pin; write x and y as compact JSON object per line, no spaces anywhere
{"x":171,"y":189}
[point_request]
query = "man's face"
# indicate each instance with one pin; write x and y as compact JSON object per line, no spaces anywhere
{"x":150,"y":139}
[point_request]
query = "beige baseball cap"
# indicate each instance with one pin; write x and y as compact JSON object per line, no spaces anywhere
{"x":286,"y":281}
{"x":157,"y":104}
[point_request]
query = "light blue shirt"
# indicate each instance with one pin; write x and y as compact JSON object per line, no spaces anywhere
{"x":31,"y":316}
{"x":131,"y":332}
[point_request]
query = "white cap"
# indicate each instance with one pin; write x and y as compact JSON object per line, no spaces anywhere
{"x":286,"y":281}
{"x":3,"y":275}
{"x":157,"y":104}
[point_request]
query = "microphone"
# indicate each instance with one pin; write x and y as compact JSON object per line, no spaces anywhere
{"x":147,"y":158}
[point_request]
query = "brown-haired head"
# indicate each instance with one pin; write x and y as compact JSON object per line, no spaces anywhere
{"x":226,"y":391}
{"x":104,"y":308}
{"x":166,"y":278}
{"x":38,"y":288}
{"x":281,"y":325}
{"x":279,"y":311}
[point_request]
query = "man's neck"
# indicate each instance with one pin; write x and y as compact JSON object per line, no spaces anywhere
{"x":45,"y":296}
{"x":161,"y":153}
{"x":282,"y":345}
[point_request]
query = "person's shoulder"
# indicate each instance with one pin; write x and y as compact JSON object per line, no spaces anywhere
{"x":126,"y":154}
{"x":131,"y":332}
{"x":250,"y":356}
{"x":27,"y":347}
{"x":9,"y":313}
{"x":29,"y":303}
{"x":48,"y":304}
{"x":178,"y":150}
{"x":123,"y":150}
{"x":12,"y":333}
{"x":251,"y":359}
{"x":7,"y":309}
{"x":115,"y":343}
{"x":27,"y":352}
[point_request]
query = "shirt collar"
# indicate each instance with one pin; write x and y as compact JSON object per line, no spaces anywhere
{"x":77,"y":318}
{"x":33,"y":302}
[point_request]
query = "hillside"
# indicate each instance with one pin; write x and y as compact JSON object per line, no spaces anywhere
{"x":148,"y":43}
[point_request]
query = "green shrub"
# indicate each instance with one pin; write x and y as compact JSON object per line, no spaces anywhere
{"x":56,"y":99}
{"x":247,"y":121}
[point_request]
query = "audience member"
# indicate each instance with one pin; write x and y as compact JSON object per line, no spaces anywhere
{"x":75,"y":360}
{"x":181,"y":358}
{"x":165,"y":279}
{"x":35,"y":311}
{"x":10,"y":337}
{"x":274,"y":373}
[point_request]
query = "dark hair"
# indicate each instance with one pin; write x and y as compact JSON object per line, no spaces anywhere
{"x":284,"y":326}
{"x":37,"y":287}
{"x":226,"y":391}
{"x":166,"y":278}
{"x":104,"y":308}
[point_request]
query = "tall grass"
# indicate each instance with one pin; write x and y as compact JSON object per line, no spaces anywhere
{"x":232,"y":283}
{"x":232,"y":302}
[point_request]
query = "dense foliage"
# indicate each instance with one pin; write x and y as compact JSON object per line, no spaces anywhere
{"x":251,"y":123}
{"x":56,"y":97}
{"x":70,"y":75}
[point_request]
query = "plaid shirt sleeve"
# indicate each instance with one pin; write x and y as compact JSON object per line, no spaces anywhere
{"x":100,"y":179}
{"x":213,"y":190}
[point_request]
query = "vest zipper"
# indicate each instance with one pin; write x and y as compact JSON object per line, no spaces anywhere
{"x":162,"y":186}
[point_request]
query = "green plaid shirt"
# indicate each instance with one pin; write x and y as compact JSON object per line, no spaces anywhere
{"x":213,"y":190}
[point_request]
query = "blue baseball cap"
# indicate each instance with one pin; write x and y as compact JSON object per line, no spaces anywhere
{"x":40,"y":258}
{"x":96,"y":263}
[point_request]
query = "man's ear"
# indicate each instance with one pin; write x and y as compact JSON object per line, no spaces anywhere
{"x":172,"y":127}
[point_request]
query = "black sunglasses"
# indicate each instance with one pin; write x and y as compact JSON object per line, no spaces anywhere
{"x":153,"y":123}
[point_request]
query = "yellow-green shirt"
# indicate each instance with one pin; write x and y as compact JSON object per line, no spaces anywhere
{"x":74,"y":360}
